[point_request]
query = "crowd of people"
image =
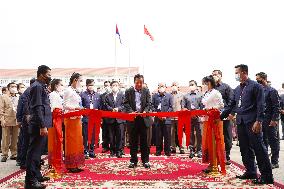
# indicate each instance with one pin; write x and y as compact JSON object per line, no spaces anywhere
{"x":27,"y":128}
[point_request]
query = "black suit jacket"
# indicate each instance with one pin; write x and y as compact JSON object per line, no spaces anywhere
{"x":130,"y":105}
{"x":110,"y":104}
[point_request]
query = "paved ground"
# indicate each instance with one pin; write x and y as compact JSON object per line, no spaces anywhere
{"x":10,"y":166}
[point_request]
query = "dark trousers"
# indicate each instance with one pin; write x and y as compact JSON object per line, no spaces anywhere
{"x":271,"y":138}
{"x":251,"y":146}
{"x":163,"y":132}
{"x":105,"y":135}
{"x":195,"y":127}
{"x":139,"y":130}
{"x":115,"y":131}
{"x":33,"y":156}
{"x":282,"y":123}
{"x":88,"y":148}
{"x":23,"y":144}
{"x":227,"y":131}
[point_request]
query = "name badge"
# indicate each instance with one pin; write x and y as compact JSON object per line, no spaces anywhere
{"x":240,"y":103}
{"x":159,"y":107}
{"x":91,"y":106}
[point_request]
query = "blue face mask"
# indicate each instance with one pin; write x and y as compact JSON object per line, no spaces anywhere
{"x":238,"y":77}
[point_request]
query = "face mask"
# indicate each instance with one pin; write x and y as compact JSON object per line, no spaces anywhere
{"x":122,"y":90}
{"x":108,"y":89}
{"x":174,"y":88}
{"x":192,"y":88}
{"x":162,"y":89}
{"x":13,"y":90}
{"x":216,"y":78}
{"x":22,"y":90}
{"x":238,"y":77}
{"x":91,"y":88}
{"x":59,"y":89}
{"x":115,"y":89}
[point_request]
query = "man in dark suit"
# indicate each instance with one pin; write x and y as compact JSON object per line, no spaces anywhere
{"x":41,"y":119}
{"x":163,"y":102}
{"x":138,"y":100}
{"x":270,"y":125}
{"x":22,"y":119}
{"x":91,"y":100}
{"x":248,"y":102}
{"x":114,"y":103}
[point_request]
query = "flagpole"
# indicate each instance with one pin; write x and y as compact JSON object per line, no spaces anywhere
{"x":115,"y":58}
{"x":143,"y":58}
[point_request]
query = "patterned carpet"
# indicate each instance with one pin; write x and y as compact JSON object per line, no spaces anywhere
{"x":177,"y":171}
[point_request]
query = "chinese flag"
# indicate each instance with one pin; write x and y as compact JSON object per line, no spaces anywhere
{"x":146,"y":32}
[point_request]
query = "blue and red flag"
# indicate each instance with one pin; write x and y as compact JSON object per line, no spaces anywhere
{"x":117,"y":32}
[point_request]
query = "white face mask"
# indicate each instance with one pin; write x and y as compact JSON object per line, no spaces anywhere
{"x":162,"y":89}
{"x":115,"y":89}
{"x":22,"y":90}
{"x":108,"y":89}
{"x":13,"y":90}
{"x":91,"y":88}
{"x":174,"y":88}
{"x":216,"y":78}
{"x":122,"y":90}
{"x":192,"y":88}
{"x":238,"y":77}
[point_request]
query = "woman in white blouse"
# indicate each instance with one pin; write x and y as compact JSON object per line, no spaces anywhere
{"x":54,"y":144}
{"x":212,"y":99}
{"x":74,"y":151}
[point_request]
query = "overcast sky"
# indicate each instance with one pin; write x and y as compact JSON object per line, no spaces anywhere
{"x":191,"y":37}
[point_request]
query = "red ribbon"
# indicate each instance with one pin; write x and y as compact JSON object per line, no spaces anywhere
{"x":184,"y":121}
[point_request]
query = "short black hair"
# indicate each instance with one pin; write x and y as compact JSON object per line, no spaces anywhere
{"x":193,"y":82}
{"x":4,"y":89}
{"x":106,"y":82}
{"x":9,"y":84}
{"x":89,"y":81}
{"x":54,"y":82}
{"x":32,"y":80}
{"x":138,"y":76}
{"x":73,"y":77}
{"x":42,"y":70}
{"x":19,"y":84}
{"x":209,"y":79}
{"x":219,"y":72}
{"x":243,"y":67}
{"x":262,"y":75}
{"x":113,"y":82}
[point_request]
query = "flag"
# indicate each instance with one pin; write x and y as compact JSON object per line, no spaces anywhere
{"x":146,"y":32}
{"x":117,"y":33}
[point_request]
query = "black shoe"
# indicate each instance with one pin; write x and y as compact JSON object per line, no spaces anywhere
{"x":146,"y":165}
{"x":13,"y":158}
{"x":75,"y":170}
{"x":168,"y":154}
{"x":112,"y":154}
{"x":158,"y":154}
{"x":23,"y":167}
{"x":261,"y":181}
{"x":4,"y":159}
{"x":92,"y":155}
{"x":43,"y":179}
{"x":274,"y":166}
{"x":228,"y":162}
{"x":207,"y":170}
{"x":119,"y":154}
{"x":35,"y":185}
{"x":246,"y":176}
{"x":182,"y":152}
{"x":87,"y":156}
{"x":173,"y":151}
{"x":199,"y":154}
{"x":132,"y":165}
{"x":105,"y":150}
{"x":191,"y":155}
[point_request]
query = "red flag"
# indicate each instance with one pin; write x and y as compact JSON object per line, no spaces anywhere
{"x":146,"y":32}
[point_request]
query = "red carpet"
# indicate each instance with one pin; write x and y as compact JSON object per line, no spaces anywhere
{"x":177,"y":171}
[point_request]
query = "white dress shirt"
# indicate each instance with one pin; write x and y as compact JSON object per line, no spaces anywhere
{"x":71,"y":100}
{"x":56,"y":100}
{"x":213,"y":99}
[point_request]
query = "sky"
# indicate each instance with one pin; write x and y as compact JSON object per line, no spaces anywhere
{"x":191,"y":37}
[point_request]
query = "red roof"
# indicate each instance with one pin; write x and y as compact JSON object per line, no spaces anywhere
{"x":13,"y":73}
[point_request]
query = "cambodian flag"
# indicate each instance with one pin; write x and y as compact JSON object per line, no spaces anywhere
{"x":117,"y":32}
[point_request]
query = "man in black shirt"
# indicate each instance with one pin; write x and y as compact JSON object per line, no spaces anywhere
{"x":40,"y":120}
